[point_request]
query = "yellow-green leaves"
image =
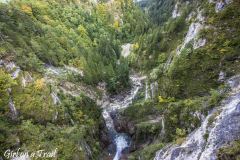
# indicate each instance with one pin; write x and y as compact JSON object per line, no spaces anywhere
{"x":82,"y":31}
{"x":6,"y":81}
{"x":165,"y":100}
{"x":39,"y":84}
{"x":26,"y":9}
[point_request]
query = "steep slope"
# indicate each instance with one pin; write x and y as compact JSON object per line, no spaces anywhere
{"x":187,"y":57}
{"x":57,"y":59}
{"x":219,"y":128}
{"x":60,"y":62}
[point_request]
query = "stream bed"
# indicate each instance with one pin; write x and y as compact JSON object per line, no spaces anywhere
{"x":120,"y":141}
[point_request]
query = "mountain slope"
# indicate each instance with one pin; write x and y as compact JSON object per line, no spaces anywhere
{"x":187,"y":57}
{"x":65,"y":68}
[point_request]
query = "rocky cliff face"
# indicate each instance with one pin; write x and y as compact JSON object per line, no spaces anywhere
{"x":205,"y":141}
{"x":191,"y":117}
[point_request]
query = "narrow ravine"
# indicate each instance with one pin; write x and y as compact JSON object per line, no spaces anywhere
{"x":121,"y":141}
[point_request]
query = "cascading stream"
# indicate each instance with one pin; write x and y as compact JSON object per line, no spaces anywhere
{"x":120,"y":140}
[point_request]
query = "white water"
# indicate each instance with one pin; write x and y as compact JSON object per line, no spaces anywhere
{"x":154,"y":89}
{"x":224,"y":129}
{"x":147,"y":96}
{"x":55,"y":98}
{"x":121,"y":143}
{"x":12,"y":108}
{"x":57,"y":101}
{"x":163,"y":126}
{"x":151,"y":92}
{"x":11,"y":105}
{"x":121,"y":140}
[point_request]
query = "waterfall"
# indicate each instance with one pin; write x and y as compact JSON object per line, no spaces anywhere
{"x":163,"y":126}
{"x":154,"y":89}
{"x":203,"y":143}
{"x":120,"y":140}
{"x":12,"y":108}
{"x":121,"y":143}
{"x":147,"y":96}
{"x":55,"y":98}
{"x":11,"y":105}
{"x":57,"y":101}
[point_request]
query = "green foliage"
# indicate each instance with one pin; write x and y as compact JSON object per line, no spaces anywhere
{"x":161,"y":10}
{"x":6,"y":82}
{"x":75,"y":128}
{"x":165,"y":100}
{"x":138,"y":111}
{"x":38,"y":32}
{"x":147,"y":152}
{"x":131,"y":26}
{"x":230,"y":151}
{"x":195,"y":71}
{"x":180,"y":132}
{"x":180,"y":117}
{"x":215,"y":97}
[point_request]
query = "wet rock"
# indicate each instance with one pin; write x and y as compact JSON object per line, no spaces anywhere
{"x":104,"y":137}
{"x":113,"y":105}
{"x":123,"y":125}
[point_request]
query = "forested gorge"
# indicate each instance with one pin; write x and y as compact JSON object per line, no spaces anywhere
{"x":66,"y":83}
{"x":35,"y":34}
